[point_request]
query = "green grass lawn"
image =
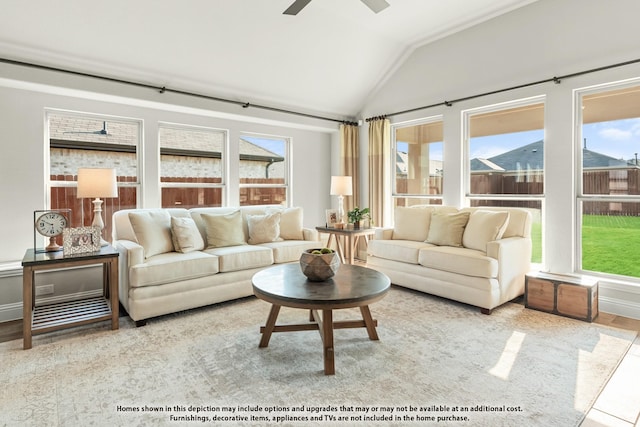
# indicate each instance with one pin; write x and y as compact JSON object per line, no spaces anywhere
{"x":611,"y":244}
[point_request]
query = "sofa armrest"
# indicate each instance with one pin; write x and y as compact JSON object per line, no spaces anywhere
{"x":130,"y":254}
{"x":514,"y":261}
{"x":310,"y":234}
{"x":383,"y":234}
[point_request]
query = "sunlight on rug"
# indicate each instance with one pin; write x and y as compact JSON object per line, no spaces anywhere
{"x":437,"y":362}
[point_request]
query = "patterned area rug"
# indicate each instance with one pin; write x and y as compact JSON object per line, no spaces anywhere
{"x":437,"y":362}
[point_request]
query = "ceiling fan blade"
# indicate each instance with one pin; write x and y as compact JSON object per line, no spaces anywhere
{"x":376,"y":5}
{"x":296,"y":7}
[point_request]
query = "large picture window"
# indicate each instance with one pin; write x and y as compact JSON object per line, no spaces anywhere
{"x":78,"y":140}
{"x":191,"y":166}
{"x":418,"y":163}
{"x":263,"y":170}
{"x":609,"y":194}
{"x":505,"y":160}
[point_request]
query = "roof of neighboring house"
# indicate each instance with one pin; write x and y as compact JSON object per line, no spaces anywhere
{"x":531,"y":156}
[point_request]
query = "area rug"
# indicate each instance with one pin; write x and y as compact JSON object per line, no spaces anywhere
{"x":437,"y":362}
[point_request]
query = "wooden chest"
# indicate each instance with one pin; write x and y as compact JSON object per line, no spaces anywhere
{"x":565,"y":295}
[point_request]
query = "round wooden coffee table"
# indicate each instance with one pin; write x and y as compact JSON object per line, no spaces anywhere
{"x":352,"y":286}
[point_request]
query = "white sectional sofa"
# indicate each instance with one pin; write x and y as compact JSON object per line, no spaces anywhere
{"x":477,"y":256}
{"x":176,"y":259}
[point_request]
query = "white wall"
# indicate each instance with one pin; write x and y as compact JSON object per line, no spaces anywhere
{"x":542,"y":40}
{"x":26,"y":93}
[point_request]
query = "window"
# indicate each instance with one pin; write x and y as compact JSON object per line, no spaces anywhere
{"x":191,"y":166}
{"x":263,"y":170}
{"x":505,"y":166}
{"x":418,"y":163}
{"x":79,"y":140}
{"x":609,"y":194}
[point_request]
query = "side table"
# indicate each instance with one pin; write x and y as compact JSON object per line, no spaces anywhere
{"x":351,"y":236}
{"x":51,"y":317}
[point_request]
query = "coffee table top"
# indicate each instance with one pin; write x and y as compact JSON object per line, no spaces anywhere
{"x":352,"y":286}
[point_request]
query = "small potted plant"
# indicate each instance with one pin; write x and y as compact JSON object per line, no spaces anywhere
{"x":357,"y":215}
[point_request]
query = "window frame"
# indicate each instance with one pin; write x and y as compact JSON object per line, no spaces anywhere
{"x":87,"y":215}
{"x":287,"y":167}
{"x":580,"y":197}
{"x":426,"y":198}
{"x":223,"y":185}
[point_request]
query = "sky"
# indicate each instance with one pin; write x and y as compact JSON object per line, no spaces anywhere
{"x":619,"y":139}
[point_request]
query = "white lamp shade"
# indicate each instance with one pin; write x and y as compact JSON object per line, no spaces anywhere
{"x":341,"y":186}
{"x":97,"y":182}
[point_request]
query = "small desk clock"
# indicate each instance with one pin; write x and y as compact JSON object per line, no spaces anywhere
{"x":50,"y":223}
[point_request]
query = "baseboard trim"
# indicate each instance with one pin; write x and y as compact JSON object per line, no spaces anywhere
{"x":13,"y":311}
{"x":619,"y":307}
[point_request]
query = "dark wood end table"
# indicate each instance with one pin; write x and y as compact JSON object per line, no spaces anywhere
{"x":51,"y":317}
{"x":352,"y":286}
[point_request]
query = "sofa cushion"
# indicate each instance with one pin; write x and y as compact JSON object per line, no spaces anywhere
{"x":153,"y":231}
{"x":289,"y":250}
{"x":243,"y":257}
{"x":172,"y":267}
{"x":224,"y":229}
{"x":483,"y":227}
{"x":446,"y":229}
{"x":396,"y":250}
{"x":290,"y":222}
{"x":469,"y":262}
{"x":264,"y":228}
{"x":185,"y":234}
{"x":411,"y":223}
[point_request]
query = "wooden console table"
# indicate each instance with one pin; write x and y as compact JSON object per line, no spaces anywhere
{"x":51,"y":317}
{"x":351,"y":238}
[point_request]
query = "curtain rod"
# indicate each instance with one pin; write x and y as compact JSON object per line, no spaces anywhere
{"x":165,"y":89}
{"x":556,"y":80}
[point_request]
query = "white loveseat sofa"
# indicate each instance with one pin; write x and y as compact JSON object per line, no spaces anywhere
{"x":176,"y":259}
{"x":477,"y":256}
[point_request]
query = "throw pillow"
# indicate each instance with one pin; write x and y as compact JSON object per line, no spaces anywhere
{"x":264,"y":228}
{"x":447,"y":229}
{"x":290,"y":223}
{"x":153,"y":231}
{"x":224,"y":230}
{"x":483,"y":227}
{"x":411,"y":223}
{"x":186,"y":237}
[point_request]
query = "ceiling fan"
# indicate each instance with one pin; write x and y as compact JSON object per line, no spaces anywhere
{"x":102,"y":131}
{"x":375,"y":5}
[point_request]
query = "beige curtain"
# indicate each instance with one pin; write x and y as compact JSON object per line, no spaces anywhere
{"x":349,"y":136}
{"x":379,"y":152}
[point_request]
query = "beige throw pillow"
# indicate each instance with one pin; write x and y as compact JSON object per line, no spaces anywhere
{"x":290,"y":223}
{"x":447,"y":229}
{"x":186,"y":237}
{"x":153,"y":231}
{"x":264,"y":228}
{"x":483,"y":227}
{"x":224,"y":230}
{"x":411,"y":223}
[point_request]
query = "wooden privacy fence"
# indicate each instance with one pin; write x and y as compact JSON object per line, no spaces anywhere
{"x":172,"y":197}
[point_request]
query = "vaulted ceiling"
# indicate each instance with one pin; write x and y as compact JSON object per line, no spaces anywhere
{"x":327,"y":59}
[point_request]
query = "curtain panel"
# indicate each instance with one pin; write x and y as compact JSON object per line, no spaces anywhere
{"x":379,"y":169}
{"x":349,"y":136}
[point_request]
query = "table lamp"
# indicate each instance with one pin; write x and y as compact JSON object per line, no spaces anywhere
{"x":97,"y":183}
{"x":341,"y":186}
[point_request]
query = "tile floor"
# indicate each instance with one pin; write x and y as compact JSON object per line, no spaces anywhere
{"x":618,"y":405}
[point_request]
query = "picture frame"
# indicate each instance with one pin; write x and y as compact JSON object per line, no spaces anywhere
{"x":331,"y":217}
{"x":79,"y":240}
